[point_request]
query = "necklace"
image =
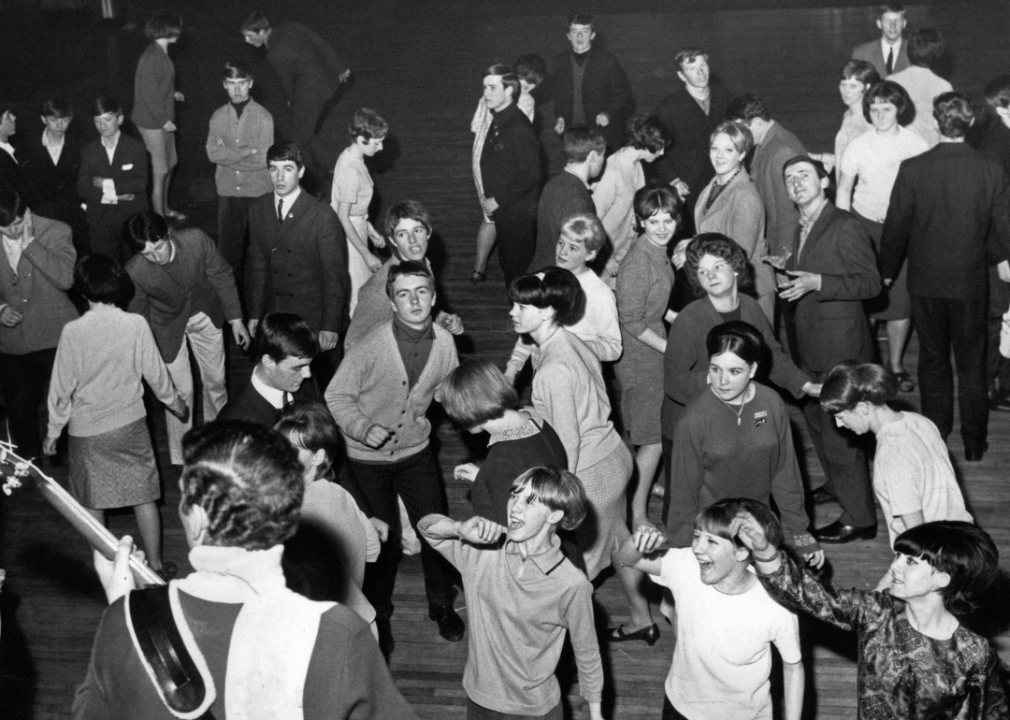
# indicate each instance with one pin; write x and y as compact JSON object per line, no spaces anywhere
{"x":738,"y":413}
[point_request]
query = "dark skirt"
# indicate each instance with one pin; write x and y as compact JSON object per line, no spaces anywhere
{"x":892,"y":303}
{"x":114,"y":469}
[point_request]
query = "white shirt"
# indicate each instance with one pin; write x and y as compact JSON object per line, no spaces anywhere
{"x":288,"y":201}
{"x":885,"y":47}
{"x":55,"y":150}
{"x":275,"y":397}
{"x":9,"y":149}
{"x":13,"y":249}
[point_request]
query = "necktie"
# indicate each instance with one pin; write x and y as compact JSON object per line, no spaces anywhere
{"x":890,"y":60}
{"x":280,"y":209}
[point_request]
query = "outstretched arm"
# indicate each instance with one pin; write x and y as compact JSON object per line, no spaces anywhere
{"x":793,"y":685}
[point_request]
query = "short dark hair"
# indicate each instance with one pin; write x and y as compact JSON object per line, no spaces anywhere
{"x":509,"y":79}
{"x":645,"y":132}
{"x":256,"y":21}
{"x":821,"y":172}
{"x":962,"y":550}
{"x":406,"y":210}
{"x":163,"y":24}
{"x":100,"y":279}
{"x":367,"y":124}
{"x":890,"y":7}
{"x":746,"y":108}
{"x":12,"y":206}
{"x":738,"y":133}
{"x":718,"y":518}
{"x":283,"y":335}
{"x":997,"y":92}
{"x":310,"y":426}
{"x":859,"y":70}
{"x":248,"y":480}
{"x":582,"y":19}
{"x":738,"y":337}
{"x":558,"y":489}
{"x":720,"y":246}
{"x":585,"y":228}
{"x":926,"y":48}
{"x":57,"y":109}
{"x":532,"y":68}
{"x":558,"y":289}
{"x":106,"y":104}
{"x":285,"y":151}
{"x":580,"y":140}
{"x":476,"y":392}
{"x":954,"y":114}
{"x":656,"y":198}
{"x":408,"y":268}
{"x":146,"y":227}
{"x":889,"y":91}
{"x":851,"y":382}
{"x":687,"y":55}
{"x":235,"y":70}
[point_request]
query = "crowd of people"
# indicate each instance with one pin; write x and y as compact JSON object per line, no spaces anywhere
{"x":688,"y":275}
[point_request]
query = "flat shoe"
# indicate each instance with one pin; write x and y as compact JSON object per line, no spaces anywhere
{"x":649,"y":634}
{"x":839,"y":532}
{"x":905,"y":383}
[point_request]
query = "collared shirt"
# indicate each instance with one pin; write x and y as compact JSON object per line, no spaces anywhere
{"x":702,"y":96}
{"x":9,"y":149}
{"x":288,"y":200}
{"x":886,"y":47}
{"x":807,"y":223}
{"x":414,"y":346}
{"x":55,"y":149}
{"x":110,"y":147}
{"x":277,"y":398}
{"x":13,"y":248}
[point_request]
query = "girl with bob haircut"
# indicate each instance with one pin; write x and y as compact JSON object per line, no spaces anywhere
{"x":644,"y":283}
{"x":735,"y":441}
{"x":916,"y":659}
{"x":351,"y":194}
{"x":335,"y":539}
{"x":154,"y":98}
{"x":97,"y":389}
{"x":926,"y":50}
{"x":623,"y":177}
{"x":868,"y":170}
{"x":569,"y":393}
{"x":913,"y":478}
{"x":479,"y":398}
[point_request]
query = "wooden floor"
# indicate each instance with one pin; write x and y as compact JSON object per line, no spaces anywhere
{"x":419,"y":64}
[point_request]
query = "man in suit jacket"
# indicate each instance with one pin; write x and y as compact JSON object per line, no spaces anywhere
{"x":590,"y":88}
{"x":888,"y":53}
{"x":36,"y":270}
{"x":112,"y":179}
{"x":831,"y":271}
{"x":567,"y":193}
{"x":774,"y":145}
{"x":690,"y":114}
{"x":510,"y":170}
{"x":11,"y":172}
{"x":297,"y":259}
{"x":185,"y":290}
{"x":51,"y":168}
{"x":943,"y":204}
{"x":285,"y":345}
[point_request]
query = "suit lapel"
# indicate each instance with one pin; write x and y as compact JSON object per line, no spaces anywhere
{"x":815,"y":234}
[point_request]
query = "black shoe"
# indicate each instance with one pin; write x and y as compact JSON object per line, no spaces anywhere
{"x":973,"y":452}
{"x":648,"y":634}
{"x":1000,"y":401}
{"x":821,"y":496}
{"x":450,"y":625}
{"x":386,"y":642}
{"x":839,"y":532}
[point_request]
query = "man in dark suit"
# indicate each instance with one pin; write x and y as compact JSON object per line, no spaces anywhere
{"x":690,"y":114}
{"x":36,"y":270}
{"x":831,"y":271}
{"x":285,"y":345}
{"x":112,"y":179}
{"x":11,"y":172}
{"x":297,"y":260}
{"x":590,"y":88}
{"x":51,"y":167}
{"x":888,"y":53}
{"x":510,"y":169}
{"x":943,"y":204}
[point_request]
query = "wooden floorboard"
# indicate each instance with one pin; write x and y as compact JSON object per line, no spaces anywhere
{"x":419,"y":64}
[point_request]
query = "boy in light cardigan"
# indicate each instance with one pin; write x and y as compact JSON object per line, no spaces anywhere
{"x":379,"y":397}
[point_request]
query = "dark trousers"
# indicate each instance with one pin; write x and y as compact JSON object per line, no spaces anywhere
{"x":24,"y":380}
{"x":516,"y":232}
{"x":669,"y":711}
{"x":844,"y":462}
{"x":478,"y":712}
{"x":418,"y":480}
{"x":997,"y":367}
{"x":232,"y":224}
{"x":959,"y":324}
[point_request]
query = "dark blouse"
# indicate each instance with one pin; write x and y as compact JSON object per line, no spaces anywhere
{"x":903,"y":674}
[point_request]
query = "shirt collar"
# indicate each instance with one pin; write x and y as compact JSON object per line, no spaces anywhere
{"x":809,"y":221}
{"x":272,"y":395}
{"x":289,"y":200}
{"x":528,"y":429}
{"x":8,"y":148}
{"x":545,"y":561}
{"x":402,"y":331}
{"x":115,"y":141}
{"x":47,"y":143}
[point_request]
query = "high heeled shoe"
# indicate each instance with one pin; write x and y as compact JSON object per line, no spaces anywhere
{"x":648,"y":634}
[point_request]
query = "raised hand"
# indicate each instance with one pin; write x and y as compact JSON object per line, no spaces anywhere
{"x":479,"y":531}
